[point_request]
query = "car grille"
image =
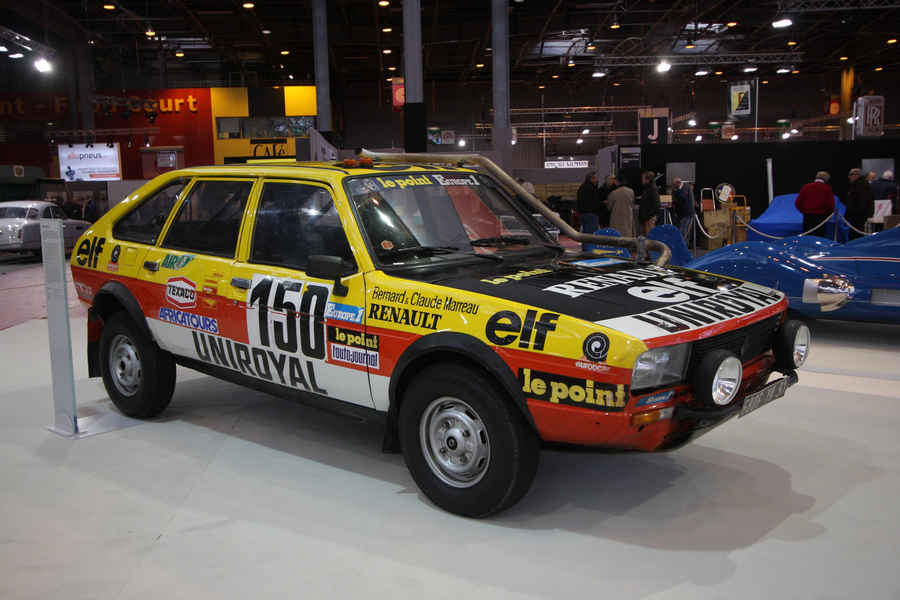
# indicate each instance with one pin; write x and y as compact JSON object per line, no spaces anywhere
{"x":746,"y":343}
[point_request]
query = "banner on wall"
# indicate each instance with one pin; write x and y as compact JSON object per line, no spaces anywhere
{"x":741,"y":102}
{"x":99,"y":162}
{"x":869,"y":116}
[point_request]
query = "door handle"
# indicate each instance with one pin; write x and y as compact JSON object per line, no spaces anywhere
{"x":240,"y":282}
{"x":151,"y":265}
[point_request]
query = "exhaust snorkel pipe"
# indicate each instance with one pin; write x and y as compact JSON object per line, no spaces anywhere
{"x":639,"y":246}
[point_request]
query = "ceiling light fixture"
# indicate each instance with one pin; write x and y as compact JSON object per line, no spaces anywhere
{"x":386,"y":29}
{"x":150,"y":32}
{"x":554,"y":76}
{"x":731,"y":24}
{"x":750,"y":69}
{"x":109,"y":7}
{"x":585,"y":131}
{"x":579,"y":141}
{"x":540,"y":87}
{"x":783,"y":70}
{"x":16,"y":55}
{"x":692,"y":122}
{"x":571,"y":63}
{"x":786,"y":135}
{"x":389,"y":79}
{"x":701,"y":73}
{"x":179,"y":53}
{"x":782,"y":23}
{"x":718,"y":73}
{"x":392,"y":68}
{"x":615,"y":22}
{"x":663,"y":66}
{"x":794,"y":72}
{"x":43,"y":65}
{"x":689,"y":44}
{"x":285,"y":52}
{"x":248,"y":5}
{"x":616,"y":84}
{"x":383,"y":3}
{"x":795,"y":131}
{"x":598,"y":73}
{"x":291,"y":77}
{"x":590,"y":47}
{"x":844,"y":58}
{"x":387,"y":51}
{"x":699,"y":138}
{"x":266,"y":31}
{"x":461,"y":143}
{"x":892,"y":41}
{"x":792,"y":43}
{"x":734,"y":137}
{"x":879,"y":68}
{"x":4,"y":49}
{"x":765,"y":82}
{"x":479,"y":66}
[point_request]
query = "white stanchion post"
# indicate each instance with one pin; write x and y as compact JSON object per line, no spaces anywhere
{"x":65,"y":418}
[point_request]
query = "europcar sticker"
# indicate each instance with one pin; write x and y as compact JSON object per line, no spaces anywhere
{"x":344,"y":312}
{"x":182,"y":292}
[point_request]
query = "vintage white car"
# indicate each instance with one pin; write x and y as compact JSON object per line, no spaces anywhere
{"x":20,"y":228}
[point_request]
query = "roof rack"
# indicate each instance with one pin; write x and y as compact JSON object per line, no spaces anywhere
{"x":639,"y":246}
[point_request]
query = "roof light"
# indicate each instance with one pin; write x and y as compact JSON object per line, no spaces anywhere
{"x":248,"y":5}
{"x":701,"y":72}
{"x":461,"y":143}
{"x":844,"y":58}
{"x":386,"y":29}
{"x":699,"y":138}
{"x":266,"y":31}
{"x":150,"y":32}
{"x":663,"y":66}
{"x":731,"y":24}
{"x":109,"y":6}
{"x":783,"y":70}
{"x":16,"y":55}
{"x":579,"y":141}
{"x":585,"y":131}
{"x":387,"y":51}
{"x":782,"y":23}
{"x":43,"y":65}
{"x":692,"y":122}
{"x":786,"y":135}
{"x":734,"y":137}
{"x":285,"y":52}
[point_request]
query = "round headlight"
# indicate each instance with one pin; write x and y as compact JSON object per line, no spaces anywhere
{"x":792,"y":345}
{"x":727,"y":380}
{"x":717,"y":378}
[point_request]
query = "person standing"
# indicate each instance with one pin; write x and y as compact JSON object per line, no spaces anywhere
{"x":609,"y":184}
{"x":621,"y":209}
{"x":886,"y":189}
{"x":683,"y":196}
{"x":815,"y":202}
{"x":586,"y":203}
{"x":860,"y":202}
{"x":648,"y":209}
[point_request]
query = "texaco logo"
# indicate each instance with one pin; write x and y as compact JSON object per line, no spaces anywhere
{"x":596,"y":347}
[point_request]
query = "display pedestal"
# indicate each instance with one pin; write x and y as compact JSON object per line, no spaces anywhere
{"x":65,"y":415}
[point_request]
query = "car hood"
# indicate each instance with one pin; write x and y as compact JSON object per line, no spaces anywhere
{"x":645,"y":301}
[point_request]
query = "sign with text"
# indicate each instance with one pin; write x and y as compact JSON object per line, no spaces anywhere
{"x":97,"y":162}
{"x":741,"y":103}
{"x":869,"y":120}
{"x":566,"y":164}
{"x":654,"y":130}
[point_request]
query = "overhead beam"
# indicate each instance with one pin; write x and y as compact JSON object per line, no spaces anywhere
{"x":808,"y":6}
{"x":736,"y":58}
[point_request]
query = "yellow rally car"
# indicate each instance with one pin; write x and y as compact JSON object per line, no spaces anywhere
{"x":427,"y":298}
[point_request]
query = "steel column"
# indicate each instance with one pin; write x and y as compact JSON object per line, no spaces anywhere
{"x":320,"y":51}
{"x":502,"y":132}
{"x":414,"y":134}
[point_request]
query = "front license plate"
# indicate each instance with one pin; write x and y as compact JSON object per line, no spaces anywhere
{"x":769,"y":393}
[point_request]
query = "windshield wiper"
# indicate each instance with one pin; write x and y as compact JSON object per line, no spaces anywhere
{"x":429,"y":250}
{"x":502,"y":240}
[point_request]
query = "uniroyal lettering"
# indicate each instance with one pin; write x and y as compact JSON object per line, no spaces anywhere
{"x":506,"y":326}
{"x":708,"y":311}
{"x":261,"y":363}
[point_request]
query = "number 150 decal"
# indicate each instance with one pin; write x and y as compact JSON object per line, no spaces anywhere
{"x":289,"y":314}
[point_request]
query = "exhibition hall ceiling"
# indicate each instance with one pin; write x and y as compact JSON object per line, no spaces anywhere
{"x":270,"y":41}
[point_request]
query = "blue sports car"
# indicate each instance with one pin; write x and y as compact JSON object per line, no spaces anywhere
{"x":858,"y":280}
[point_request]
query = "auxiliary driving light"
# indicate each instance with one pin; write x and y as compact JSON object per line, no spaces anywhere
{"x":829,"y":293}
{"x":792,"y":345}
{"x":717,"y":378}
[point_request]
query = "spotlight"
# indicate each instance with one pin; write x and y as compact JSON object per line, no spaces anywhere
{"x":248,"y":5}
{"x":699,"y":138}
{"x":150,"y":31}
{"x":461,"y":143}
{"x":731,"y":24}
{"x":786,"y":135}
{"x":598,"y":74}
{"x":585,"y":131}
{"x":615,"y":22}
{"x":387,"y":51}
{"x":579,"y":141}
{"x":663,"y":66}
{"x":285,"y":52}
{"x":701,"y":73}
{"x":692,"y":122}
{"x":734,"y":138}
{"x":782,"y":23}
{"x":266,"y":31}
{"x":750,"y":69}
{"x":43,"y":65}
{"x":386,"y":29}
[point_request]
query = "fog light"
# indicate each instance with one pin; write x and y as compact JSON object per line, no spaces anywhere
{"x":653,"y":416}
{"x":717,"y":379}
{"x":792,"y":345}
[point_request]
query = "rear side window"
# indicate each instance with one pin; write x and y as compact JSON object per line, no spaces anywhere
{"x":295,"y":221}
{"x":144,"y":222}
{"x":209,"y":220}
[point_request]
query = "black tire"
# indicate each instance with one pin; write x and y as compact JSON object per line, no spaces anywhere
{"x":153,"y":387}
{"x":514,"y":447}
{"x":784,"y":344}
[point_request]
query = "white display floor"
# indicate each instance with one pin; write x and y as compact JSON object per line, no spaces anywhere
{"x":235,"y":494}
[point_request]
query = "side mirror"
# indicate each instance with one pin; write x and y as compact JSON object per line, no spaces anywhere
{"x":328,"y":267}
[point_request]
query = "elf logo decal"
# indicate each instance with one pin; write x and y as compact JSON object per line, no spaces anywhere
{"x":586,"y":285}
{"x":596,"y":347}
{"x":182,"y":292}
{"x":655,"y":293}
{"x":505,"y":327}
{"x":261,"y":363}
{"x":289,"y":315}
{"x":89,"y":251}
{"x":583,"y":393}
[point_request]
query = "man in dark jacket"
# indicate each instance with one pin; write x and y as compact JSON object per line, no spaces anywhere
{"x":886,"y":189}
{"x":586,"y":202}
{"x":683,"y":203}
{"x":860,"y":202}
{"x":815,"y":202}
{"x":603,"y":193}
{"x":648,"y":207}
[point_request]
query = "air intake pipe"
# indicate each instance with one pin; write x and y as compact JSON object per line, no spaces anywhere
{"x":639,"y":246}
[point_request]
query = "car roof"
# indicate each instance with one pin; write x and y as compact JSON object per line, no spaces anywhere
{"x":329,"y":170}
{"x":27,"y":203}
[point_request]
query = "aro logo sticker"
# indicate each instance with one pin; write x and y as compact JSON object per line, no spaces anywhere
{"x":182,"y":292}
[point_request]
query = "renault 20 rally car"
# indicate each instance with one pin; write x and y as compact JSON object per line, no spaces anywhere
{"x":425,"y":297}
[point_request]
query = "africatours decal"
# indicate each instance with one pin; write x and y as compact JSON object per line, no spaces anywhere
{"x":182,"y":292}
{"x":614,"y":294}
{"x":186,"y":319}
{"x":583,"y":393}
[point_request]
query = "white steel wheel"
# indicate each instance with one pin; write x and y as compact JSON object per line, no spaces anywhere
{"x":125,"y":365}
{"x":455,"y":442}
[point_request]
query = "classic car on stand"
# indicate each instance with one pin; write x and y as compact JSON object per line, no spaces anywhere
{"x":20,"y":226}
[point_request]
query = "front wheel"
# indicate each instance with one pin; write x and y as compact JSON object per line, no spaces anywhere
{"x":139,"y":376}
{"x":466,"y":445}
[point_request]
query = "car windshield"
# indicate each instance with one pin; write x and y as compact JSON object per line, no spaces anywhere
{"x":430,"y":216}
{"x":12,"y":212}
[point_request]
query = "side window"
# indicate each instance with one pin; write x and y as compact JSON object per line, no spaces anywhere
{"x":295,"y":221}
{"x":57,"y":212}
{"x":48,"y":213}
{"x":144,"y":222}
{"x":209,"y":220}
{"x":32,"y":213}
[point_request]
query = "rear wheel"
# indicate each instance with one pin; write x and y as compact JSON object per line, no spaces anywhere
{"x":139,"y":376}
{"x":467,"y":447}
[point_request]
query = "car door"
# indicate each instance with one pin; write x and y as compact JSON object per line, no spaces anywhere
{"x":72,"y":228}
{"x":301,"y":332}
{"x":189,"y":269}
